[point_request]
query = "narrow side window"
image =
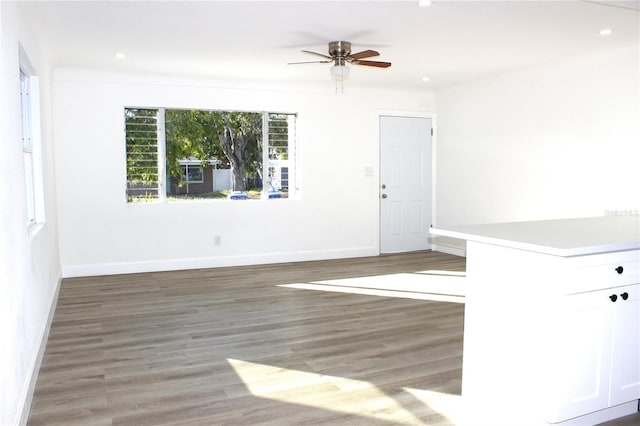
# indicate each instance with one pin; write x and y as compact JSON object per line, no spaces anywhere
{"x":280,"y":140}
{"x":143,"y":169}
{"x":30,"y":141}
{"x":27,"y":146}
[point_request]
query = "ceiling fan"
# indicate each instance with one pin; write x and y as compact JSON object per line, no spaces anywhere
{"x":340,"y":54}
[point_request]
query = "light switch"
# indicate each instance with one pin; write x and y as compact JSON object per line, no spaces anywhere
{"x":368,"y":171}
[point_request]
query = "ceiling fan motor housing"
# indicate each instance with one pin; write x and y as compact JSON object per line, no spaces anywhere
{"x":339,"y":49}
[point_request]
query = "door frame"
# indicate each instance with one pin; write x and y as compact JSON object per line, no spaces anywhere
{"x":408,"y":114}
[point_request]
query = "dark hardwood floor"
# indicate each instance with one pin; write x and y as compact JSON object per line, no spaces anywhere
{"x":248,"y":346}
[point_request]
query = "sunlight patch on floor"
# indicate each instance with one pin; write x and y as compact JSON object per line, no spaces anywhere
{"x":349,"y":396}
{"x":449,"y":405}
{"x":441,"y":286}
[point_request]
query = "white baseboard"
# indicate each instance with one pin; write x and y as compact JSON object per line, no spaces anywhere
{"x":454,"y":246}
{"x":605,"y":415}
{"x":114,"y":268}
{"x":456,"y":251}
{"x":36,"y":363}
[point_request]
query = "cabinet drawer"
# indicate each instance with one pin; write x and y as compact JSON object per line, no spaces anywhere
{"x":602,"y":271}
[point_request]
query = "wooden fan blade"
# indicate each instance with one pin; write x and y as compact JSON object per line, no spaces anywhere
{"x":378,"y":64}
{"x":364,"y":54}
{"x":309,"y":62}
{"x":318,"y":54}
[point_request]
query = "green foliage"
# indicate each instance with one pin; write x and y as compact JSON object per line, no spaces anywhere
{"x":199,"y":133}
{"x":191,"y":133}
{"x":234,"y":138}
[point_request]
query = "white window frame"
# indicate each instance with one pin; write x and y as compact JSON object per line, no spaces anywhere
{"x":31,"y":142}
{"x":290,"y":163}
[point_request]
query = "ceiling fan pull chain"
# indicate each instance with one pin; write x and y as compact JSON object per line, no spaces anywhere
{"x":340,"y":81}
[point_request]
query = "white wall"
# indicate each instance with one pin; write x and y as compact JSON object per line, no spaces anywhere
{"x":560,"y":140}
{"x":29,"y":263}
{"x":336,"y":214}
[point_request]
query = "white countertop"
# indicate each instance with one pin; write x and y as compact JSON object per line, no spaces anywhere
{"x":559,"y":237}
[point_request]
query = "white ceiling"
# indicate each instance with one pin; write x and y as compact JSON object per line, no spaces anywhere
{"x":449,"y":41}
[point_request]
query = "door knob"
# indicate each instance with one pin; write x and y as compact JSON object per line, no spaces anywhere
{"x":625,"y":295}
{"x":613,"y":297}
{"x":619,"y":269}
{"x":384,"y":195}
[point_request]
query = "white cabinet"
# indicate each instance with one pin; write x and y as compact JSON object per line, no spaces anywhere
{"x":597,"y":344}
{"x":625,"y":348}
{"x":544,"y":336}
{"x":544,"y":341}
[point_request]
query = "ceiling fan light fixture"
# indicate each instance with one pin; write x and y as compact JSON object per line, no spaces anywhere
{"x":340,"y":72}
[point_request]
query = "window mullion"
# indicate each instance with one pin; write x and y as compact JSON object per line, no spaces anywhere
{"x":292,"y":155}
{"x":162,"y":156}
{"x":265,"y":155}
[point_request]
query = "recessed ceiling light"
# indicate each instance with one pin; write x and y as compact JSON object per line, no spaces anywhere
{"x":425,"y":79}
{"x":606,"y":31}
{"x":119,"y":56}
{"x":424,"y":3}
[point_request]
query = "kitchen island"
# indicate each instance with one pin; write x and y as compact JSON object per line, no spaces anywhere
{"x":552,"y":320}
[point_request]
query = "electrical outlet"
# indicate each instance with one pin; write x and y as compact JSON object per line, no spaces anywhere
{"x":217,"y":240}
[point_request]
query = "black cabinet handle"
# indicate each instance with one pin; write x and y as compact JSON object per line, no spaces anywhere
{"x":625,"y":295}
{"x":613,"y":297}
{"x":619,"y":269}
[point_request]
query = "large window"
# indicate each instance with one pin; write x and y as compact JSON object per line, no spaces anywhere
{"x":176,"y":154}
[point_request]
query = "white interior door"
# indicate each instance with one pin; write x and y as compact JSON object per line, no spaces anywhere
{"x":405,"y":184}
